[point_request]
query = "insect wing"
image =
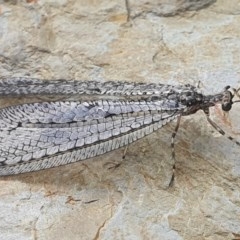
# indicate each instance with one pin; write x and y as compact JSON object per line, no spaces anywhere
{"x":43,"y":135}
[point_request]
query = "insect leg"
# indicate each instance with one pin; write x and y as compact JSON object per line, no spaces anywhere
{"x":173,"y":147}
{"x":219,"y":129}
{"x":174,"y":135}
{"x":116,"y":165}
{"x":125,"y":152}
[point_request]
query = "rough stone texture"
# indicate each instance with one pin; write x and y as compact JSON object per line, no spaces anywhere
{"x":152,"y":41}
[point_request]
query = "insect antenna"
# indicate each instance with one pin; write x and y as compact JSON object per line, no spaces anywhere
{"x":237,"y":94}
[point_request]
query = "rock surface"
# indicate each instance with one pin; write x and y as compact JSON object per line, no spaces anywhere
{"x":172,"y":42}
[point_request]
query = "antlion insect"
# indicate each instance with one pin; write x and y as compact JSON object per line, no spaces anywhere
{"x":97,"y":118}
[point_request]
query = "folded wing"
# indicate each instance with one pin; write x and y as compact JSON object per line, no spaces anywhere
{"x":43,"y":135}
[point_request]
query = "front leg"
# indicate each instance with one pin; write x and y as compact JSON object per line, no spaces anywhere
{"x":219,"y":129}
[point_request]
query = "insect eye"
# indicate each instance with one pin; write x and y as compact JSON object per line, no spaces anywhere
{"x":227,"y":106}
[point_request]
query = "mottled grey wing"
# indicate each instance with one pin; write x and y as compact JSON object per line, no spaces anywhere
{"x":44,"y":135}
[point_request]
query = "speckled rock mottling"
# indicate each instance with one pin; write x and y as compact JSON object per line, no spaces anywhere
{"x":171,"y":42}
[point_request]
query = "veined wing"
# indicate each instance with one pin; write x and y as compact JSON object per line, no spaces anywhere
{"x":86,"y":90}
{"x":43,"y":135}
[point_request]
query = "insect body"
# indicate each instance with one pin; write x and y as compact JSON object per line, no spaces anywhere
{"x":98,"y":118}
